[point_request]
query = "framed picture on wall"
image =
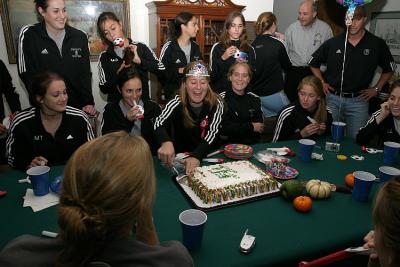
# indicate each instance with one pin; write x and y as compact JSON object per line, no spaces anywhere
{"x":386,"y":25}
{"x":82,"y":14}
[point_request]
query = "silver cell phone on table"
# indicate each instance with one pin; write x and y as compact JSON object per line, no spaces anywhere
{"x":247,"y":243}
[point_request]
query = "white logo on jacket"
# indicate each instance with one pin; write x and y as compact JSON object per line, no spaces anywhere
{"x":76,"y":52}
{"x":38,"y":137}
{"x":44,"y":52}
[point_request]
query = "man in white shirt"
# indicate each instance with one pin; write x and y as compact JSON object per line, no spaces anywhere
{"x":303,"y":37}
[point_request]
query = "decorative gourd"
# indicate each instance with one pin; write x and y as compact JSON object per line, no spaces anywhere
{"x":349,"y":179}
{"x":318,"y":189}
{"x":302,"y":203}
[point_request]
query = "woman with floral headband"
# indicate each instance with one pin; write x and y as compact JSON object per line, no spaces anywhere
{"x":193,"y":117}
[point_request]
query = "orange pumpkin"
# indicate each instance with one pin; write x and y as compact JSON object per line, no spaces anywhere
{"x":302,"y":203}
{"x":349,"y":179}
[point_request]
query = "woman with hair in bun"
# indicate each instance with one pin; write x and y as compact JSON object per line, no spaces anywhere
{"x":121,"y":53}
{"x":179,"y":51}
{"x":105,"y":212}
{"x":190,"y":121}
{"x":49,"y":132}
{"x":272,"y":60}
{"x":385,"y":238}
{"x":132,"y":113}
{"x":225,"y":53}
{"x":308,"y":117}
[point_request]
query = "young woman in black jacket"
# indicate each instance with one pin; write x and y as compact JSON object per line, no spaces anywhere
{"x":384,"y":124}
{"x":49,"y":133}
{"x":132,"y":113}
{"x":226,"y":52}
{"x":272,"y":60}
{"x":308,"y":117}
{"x":53,"y":45}
{"x":179,"y":51}
{"x":111,"y":61}
{"x":243,"y":118}
{"x":190,"y":122}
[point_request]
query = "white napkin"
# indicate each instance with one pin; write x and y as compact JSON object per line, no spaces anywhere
{"x":39,"y":203}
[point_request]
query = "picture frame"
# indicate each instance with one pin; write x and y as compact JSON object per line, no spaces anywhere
{"x":82,"y":14}
{"x":386,"y":25}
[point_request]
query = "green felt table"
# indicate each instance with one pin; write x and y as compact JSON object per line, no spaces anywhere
{"x":283,"y":235}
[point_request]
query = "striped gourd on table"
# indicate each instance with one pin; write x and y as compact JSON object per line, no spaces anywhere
{"x":318,"y":189}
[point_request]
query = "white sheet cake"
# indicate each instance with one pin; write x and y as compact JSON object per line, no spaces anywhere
{"x":232,"y":180}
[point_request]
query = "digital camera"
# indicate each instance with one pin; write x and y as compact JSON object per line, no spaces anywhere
{"x":240,"y":55}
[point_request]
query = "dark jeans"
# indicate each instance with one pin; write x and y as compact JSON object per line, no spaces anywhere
{"x":293,"y":78}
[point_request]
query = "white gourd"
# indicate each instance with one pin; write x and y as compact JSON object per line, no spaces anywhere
{"x":318,"y":189}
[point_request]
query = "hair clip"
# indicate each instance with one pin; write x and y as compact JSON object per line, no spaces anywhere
{"x":198,"y":70}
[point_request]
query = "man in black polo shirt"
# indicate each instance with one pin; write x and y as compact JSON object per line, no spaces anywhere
{"x":365,"y":52}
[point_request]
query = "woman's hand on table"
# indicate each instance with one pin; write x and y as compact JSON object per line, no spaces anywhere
{"x":191,"y":163}
{"x":370,"y":244}
{"x":166,"y":153}
{"x":309,"y":130}
{"x":38,"y":161}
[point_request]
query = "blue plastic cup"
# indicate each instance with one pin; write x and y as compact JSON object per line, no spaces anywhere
{"x":363,"y":182}
{"x":386,"y":173}
{"x":192,"y":222}
{"x":55,"y":185}
{"x":39,"y":177}
{"x":390,"y":152}
{"x":338,"y":130}
{"x":306,"y":148}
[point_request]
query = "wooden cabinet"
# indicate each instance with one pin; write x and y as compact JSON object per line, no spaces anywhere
{"x":211,"y":15}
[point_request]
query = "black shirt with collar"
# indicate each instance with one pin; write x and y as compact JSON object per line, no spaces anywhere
{"x":361,"y":61}
{"x":385,"y":131}
{"x":239,"y":113}
{"x":173,"y":58}
{"x":38,"y":52}
{"x":29,"y":139}
{"x":110,"y":62}
{"x":292,"y":119}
